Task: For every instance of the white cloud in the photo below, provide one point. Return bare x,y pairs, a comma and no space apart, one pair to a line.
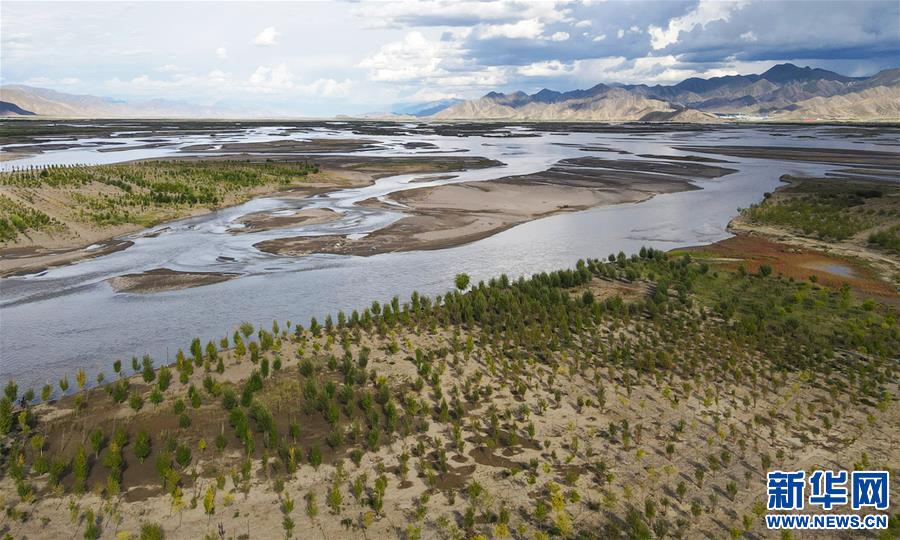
621,33
415,57
527,29
267,38
559,36
170,68
488,77
460,13
601,37
428,62
217,76
706,12
428,94
222,53
550,68
17,40
327,87
271,79
749,36
583,24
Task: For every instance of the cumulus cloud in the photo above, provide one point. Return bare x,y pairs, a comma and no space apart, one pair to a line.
222,53
415,57
550,68
527,29
270,79
559,36
327,87
706,12
267,38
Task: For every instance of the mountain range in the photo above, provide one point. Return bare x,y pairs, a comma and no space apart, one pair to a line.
783,93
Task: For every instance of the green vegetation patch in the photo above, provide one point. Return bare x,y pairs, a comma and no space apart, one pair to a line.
16,219
887,239
832,209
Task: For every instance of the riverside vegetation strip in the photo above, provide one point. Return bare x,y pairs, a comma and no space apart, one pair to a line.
49,216
638,396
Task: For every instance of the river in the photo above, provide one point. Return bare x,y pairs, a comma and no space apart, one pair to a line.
69,317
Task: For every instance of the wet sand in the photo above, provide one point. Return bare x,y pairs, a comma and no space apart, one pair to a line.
19,261
280,219
164,279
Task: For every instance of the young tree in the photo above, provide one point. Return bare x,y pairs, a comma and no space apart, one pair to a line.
79,470
461,281
312,507
142,446
335,498
209,500
6,415
80,379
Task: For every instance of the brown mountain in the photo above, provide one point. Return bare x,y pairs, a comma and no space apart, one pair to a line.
785,92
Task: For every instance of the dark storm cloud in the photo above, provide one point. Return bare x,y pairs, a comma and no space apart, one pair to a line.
784,30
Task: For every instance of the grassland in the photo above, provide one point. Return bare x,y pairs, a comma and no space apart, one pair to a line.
642,396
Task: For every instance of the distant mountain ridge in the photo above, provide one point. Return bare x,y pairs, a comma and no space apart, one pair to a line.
46,102
784,92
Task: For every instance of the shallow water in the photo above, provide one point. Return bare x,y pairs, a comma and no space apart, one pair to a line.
69,317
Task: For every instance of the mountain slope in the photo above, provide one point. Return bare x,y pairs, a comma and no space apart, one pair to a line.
11,109
784,92
424,109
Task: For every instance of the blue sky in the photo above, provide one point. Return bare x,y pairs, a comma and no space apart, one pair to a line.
326,58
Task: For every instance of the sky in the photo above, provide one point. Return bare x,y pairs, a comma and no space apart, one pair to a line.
327,58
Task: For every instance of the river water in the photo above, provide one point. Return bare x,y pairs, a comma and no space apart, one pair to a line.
69,317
